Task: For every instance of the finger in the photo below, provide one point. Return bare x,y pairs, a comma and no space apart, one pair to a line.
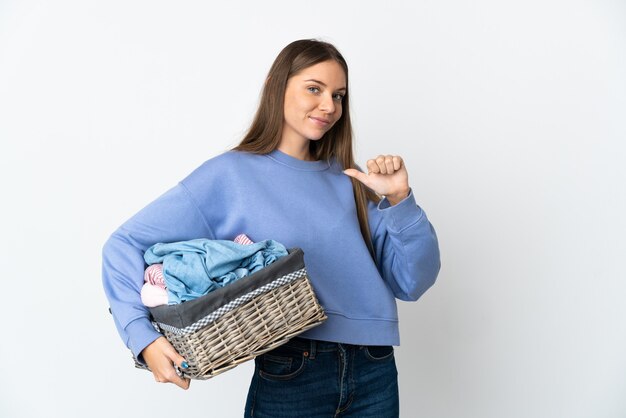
182,364
171,376
380,161
179,360
181,382
174,357
397,162
389,164
372,167
360,176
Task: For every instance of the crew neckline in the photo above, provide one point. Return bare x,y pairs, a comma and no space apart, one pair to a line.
293,162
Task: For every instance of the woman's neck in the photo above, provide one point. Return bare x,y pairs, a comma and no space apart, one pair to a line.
298,151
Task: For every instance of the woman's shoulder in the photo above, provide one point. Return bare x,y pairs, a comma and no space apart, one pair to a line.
226,163
226,159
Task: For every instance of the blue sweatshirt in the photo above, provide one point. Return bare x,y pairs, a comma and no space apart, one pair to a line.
306,204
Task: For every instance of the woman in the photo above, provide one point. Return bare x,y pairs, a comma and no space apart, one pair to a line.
293,179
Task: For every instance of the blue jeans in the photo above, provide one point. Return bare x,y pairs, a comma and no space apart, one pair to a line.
309,379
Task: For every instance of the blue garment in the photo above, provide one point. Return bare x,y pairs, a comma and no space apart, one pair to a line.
305,204
196,267
318,379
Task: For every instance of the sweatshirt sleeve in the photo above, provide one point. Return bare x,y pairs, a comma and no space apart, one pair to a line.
172,217
406,247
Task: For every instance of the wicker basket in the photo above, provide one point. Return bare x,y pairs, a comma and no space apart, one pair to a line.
236,323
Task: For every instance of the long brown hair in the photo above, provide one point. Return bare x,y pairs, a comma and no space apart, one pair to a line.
265,132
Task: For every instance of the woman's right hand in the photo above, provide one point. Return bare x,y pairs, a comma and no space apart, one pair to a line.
160,357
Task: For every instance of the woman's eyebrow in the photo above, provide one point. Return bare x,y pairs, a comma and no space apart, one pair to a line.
323,84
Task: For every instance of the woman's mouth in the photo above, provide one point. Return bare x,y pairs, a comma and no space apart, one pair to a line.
321,122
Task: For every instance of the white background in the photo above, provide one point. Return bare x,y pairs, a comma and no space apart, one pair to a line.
511,117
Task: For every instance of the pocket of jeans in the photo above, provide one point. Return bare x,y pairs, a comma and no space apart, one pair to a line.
281,365
378,352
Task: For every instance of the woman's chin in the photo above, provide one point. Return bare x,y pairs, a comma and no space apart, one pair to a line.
315,136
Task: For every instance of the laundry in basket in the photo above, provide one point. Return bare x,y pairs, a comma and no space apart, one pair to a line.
241,320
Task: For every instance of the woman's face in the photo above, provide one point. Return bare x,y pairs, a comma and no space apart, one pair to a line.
313,101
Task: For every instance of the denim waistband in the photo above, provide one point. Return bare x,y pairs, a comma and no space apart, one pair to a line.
306,344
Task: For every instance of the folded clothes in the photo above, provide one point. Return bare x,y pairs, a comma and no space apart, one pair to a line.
153,296
194,268
153,292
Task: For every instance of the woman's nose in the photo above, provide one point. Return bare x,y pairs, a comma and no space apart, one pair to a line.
327,104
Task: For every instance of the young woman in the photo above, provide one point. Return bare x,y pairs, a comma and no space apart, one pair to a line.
293,179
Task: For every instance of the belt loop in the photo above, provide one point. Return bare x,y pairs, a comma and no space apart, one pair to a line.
313,349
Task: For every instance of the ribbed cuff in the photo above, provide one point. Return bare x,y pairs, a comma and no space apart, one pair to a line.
140,334
401,215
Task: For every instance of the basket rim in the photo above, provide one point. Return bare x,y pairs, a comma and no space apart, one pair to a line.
185,314
212,316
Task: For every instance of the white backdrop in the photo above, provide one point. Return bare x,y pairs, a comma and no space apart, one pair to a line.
511,118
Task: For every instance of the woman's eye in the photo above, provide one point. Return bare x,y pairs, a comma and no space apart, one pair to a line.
313,89
338,97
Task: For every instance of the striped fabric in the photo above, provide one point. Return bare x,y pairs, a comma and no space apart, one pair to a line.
154,275
243,239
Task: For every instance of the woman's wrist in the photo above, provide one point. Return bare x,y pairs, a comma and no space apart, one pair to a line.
396,198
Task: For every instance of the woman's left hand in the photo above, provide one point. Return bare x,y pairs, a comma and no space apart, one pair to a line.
386,176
